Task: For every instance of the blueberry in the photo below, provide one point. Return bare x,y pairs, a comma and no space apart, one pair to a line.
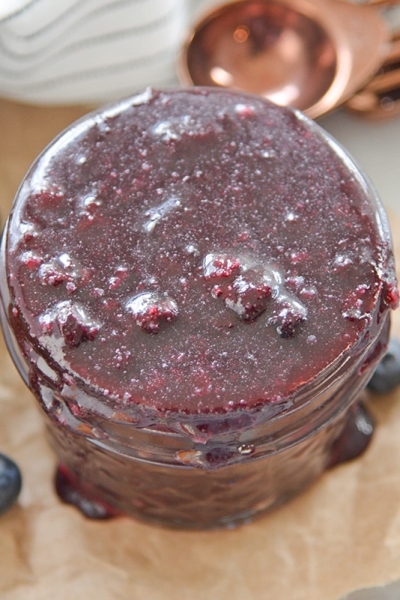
10,482
387,374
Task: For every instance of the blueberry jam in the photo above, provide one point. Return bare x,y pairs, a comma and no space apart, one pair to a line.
192,263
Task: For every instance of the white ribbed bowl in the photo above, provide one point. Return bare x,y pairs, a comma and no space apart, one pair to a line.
87,51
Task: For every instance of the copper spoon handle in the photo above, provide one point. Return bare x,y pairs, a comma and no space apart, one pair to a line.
380,97
384,3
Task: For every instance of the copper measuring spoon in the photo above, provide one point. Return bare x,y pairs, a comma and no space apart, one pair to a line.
310,54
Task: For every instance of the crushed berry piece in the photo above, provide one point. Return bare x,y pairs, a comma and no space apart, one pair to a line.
62,269
248,296
150,309
220,265
72,321
289,319
391,296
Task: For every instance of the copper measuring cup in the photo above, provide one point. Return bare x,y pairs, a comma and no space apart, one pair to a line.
310,54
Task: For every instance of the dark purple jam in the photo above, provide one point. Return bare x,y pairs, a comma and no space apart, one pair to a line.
198,289
195,252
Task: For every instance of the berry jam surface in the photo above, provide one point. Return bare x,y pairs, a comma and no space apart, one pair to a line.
195,252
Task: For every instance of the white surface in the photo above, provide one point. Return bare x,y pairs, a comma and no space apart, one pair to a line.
375,146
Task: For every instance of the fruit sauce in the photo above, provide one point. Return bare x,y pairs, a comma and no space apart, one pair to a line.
196,269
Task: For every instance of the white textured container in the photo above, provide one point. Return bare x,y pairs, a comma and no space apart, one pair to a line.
89,51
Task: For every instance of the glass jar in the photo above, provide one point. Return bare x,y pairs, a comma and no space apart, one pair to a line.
190,468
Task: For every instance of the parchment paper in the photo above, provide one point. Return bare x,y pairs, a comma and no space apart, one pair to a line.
340,535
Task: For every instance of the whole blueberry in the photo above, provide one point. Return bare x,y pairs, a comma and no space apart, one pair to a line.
387,374
10,482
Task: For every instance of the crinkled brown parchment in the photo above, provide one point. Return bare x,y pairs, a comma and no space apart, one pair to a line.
342,534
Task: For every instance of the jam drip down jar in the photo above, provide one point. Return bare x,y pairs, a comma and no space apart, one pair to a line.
197,289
